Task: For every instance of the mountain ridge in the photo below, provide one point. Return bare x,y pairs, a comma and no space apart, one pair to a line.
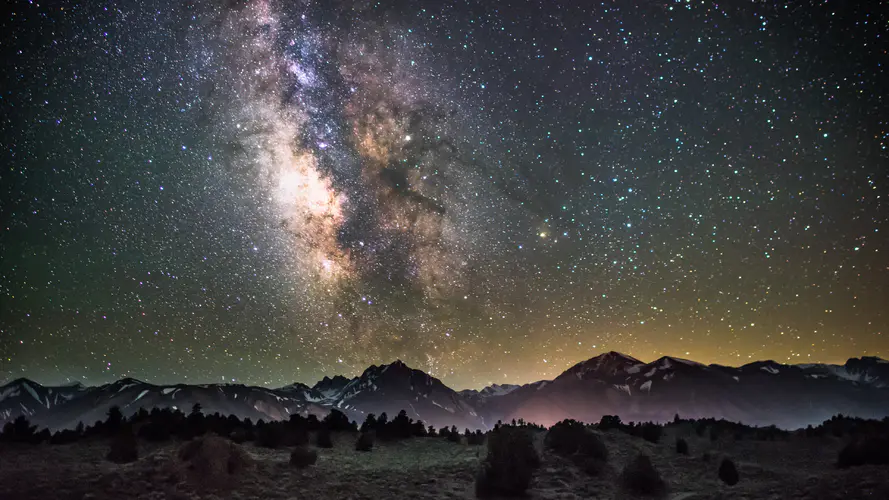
760,392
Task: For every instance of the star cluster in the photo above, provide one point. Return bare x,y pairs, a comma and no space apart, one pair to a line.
267,192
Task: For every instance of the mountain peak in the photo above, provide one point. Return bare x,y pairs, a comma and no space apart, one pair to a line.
608,363
128,381
20,381
617,355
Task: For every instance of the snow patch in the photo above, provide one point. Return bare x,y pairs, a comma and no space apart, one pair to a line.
770,369
32,392
9,391
442,407
651,372
843,373
167,390
646,386
634,369
140,395
308,397
623,388
737,378
498,390
127,385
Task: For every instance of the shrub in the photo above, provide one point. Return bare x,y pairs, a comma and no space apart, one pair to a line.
213,461
115,419
476,438
365,441
454,435
418,429
65,436
323,439
651,432
591,446
509,466
302,457
609,422
572,439
640,477
564,437
370,423
728,472
337,421
681,446
400,427
863,451
124,448
238,436
20,430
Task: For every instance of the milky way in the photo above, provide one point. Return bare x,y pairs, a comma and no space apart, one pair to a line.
267,192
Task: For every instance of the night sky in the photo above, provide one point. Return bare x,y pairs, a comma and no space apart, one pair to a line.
270,191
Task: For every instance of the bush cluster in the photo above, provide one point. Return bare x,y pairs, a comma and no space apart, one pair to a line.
728,473
365,441
640,477
509,466
401,427
870,450
302,457
573,440
681,446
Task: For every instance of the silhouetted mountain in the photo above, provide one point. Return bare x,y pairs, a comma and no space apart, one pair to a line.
761,393
475,397
331,387
28,398
391,388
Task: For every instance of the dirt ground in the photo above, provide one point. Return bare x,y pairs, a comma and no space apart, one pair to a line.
801,468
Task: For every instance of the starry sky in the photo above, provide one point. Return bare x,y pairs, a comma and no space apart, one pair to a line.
270,191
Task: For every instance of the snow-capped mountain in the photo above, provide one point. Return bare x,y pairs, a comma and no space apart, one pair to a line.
330,388
603,366
71,405
761,393
477,398
395,387
26,397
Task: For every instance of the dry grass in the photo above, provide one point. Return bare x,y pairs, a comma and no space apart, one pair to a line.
435,468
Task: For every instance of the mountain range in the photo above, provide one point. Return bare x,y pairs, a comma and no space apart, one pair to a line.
759,393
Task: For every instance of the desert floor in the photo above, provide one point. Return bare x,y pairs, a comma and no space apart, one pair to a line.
435,468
